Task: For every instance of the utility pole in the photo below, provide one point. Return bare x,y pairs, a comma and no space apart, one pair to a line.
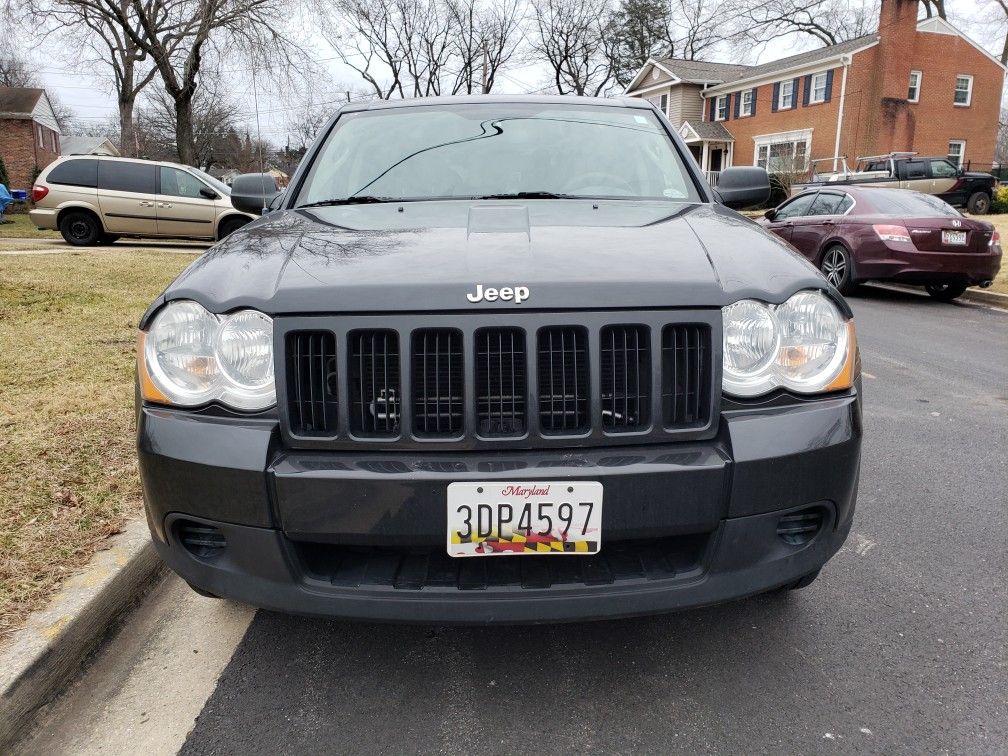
485,56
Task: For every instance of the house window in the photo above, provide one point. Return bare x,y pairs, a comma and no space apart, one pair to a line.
721,109
745,107
41,136
784,153
786,99
55,147
957,151
913,95
818,93
664,104
963,90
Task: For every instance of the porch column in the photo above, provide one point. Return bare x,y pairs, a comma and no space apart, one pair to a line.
704,157
731,155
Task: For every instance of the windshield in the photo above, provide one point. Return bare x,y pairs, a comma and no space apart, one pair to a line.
498,149
904,203
220,186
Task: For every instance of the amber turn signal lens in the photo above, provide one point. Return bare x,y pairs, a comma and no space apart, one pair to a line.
148,390
852,365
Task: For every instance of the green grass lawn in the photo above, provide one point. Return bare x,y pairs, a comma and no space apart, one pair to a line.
1001,224
68,329
22,228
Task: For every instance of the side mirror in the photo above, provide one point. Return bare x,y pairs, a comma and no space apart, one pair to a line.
251,192
208,194
770,214
743,187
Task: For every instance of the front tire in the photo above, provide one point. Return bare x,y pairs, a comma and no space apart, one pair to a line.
230,225
80,229
945,292
979,203
838,268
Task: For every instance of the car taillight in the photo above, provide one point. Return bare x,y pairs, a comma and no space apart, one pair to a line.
891,233
995,240
39,192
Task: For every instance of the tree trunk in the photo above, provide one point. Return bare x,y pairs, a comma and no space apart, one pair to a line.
185,144
127,127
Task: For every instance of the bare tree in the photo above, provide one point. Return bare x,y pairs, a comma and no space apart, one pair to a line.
828,21
698,26
15,73
214,116
573,38
934,8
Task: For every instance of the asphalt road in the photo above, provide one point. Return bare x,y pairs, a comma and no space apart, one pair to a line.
900,646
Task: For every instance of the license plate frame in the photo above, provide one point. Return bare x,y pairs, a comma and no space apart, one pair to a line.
555,518
954,238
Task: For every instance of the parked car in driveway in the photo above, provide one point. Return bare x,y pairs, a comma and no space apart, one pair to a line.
859,234
97,199
499,359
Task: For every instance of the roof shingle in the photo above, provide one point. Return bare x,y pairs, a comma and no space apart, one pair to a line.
18,101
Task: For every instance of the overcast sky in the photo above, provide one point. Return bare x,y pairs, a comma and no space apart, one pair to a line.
90,94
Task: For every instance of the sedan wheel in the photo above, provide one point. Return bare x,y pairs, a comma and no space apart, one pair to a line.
945,292
836,266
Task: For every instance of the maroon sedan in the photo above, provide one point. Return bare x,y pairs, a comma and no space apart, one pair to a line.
858,234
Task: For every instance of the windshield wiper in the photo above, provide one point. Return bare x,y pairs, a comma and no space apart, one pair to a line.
362,199
529,195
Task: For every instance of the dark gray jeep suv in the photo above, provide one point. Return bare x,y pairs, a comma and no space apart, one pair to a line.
499,359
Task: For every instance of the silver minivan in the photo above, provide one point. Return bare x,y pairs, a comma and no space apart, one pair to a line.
96,199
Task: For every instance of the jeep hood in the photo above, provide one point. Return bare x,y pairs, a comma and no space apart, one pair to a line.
425,256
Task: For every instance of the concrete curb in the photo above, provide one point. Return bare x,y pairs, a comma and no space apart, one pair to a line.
41,658
986,297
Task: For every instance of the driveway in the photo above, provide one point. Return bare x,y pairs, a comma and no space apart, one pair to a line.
900,646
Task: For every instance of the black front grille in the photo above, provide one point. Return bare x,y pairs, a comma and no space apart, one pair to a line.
437,382
563,379
500,382
312,382
613,378
686,375
375,395
626,377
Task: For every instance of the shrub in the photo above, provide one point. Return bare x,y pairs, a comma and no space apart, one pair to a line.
1000,200
4,178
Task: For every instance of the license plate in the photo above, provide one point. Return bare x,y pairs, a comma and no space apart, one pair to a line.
542,517
953,237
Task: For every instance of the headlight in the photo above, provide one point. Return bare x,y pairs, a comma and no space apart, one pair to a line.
190,357
804,345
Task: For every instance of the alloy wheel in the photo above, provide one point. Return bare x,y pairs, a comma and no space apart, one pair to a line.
834,266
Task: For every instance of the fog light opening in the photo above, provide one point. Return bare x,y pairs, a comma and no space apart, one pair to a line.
798,528
203,541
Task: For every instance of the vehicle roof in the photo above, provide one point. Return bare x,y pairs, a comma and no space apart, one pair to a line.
483,99
113,158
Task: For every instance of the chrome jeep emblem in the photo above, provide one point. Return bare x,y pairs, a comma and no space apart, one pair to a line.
516,294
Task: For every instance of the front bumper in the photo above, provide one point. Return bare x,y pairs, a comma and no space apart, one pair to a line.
361,535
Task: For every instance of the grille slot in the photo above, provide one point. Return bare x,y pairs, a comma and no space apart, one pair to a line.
437,382
801,527
500,381
685,375
200,540
563,379
626,377
311,382
375,396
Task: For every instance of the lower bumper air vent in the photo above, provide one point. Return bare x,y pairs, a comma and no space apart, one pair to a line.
200,540
801,527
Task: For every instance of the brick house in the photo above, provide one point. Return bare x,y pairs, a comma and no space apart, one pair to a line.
29,134
915,86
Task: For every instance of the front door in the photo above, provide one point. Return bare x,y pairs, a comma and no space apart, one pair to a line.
126,197
716,157
185,205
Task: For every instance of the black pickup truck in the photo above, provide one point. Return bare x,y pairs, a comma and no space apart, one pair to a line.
931,175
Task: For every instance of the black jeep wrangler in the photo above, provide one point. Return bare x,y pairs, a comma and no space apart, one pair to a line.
499,359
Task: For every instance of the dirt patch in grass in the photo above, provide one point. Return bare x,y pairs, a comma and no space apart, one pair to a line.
69,480
21,227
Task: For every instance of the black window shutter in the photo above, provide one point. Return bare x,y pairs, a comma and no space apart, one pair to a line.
776,97
794,93
713,104
753,108
808,90
727,109
738,103
829,85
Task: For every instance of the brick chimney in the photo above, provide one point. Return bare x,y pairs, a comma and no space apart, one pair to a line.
897,37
